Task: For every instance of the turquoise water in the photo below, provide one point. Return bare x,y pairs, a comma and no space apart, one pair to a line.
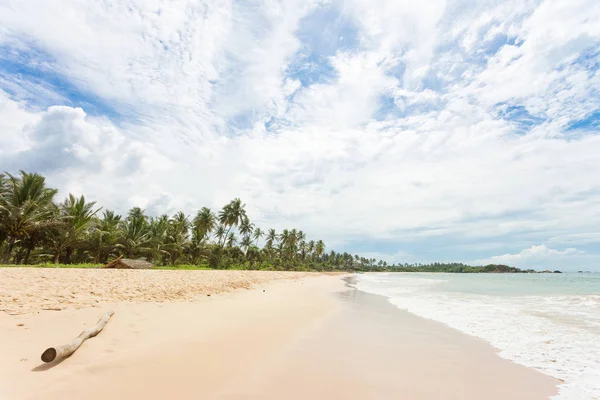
549,322
520,284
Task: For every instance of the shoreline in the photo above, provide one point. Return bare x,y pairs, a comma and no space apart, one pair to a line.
550,381
544,324
299,338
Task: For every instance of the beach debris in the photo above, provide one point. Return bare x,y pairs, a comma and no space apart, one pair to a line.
56,353
126,263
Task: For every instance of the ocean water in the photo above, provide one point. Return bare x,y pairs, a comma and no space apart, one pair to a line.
549,322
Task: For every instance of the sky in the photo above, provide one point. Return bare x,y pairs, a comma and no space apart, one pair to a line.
410,131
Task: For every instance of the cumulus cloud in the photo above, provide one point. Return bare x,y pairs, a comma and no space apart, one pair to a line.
544,257
535,252
475,121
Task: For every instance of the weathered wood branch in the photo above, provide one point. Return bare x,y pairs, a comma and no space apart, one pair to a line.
56,353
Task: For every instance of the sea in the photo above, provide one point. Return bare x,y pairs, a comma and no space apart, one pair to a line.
549,322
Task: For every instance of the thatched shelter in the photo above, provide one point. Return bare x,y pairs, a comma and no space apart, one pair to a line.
126,263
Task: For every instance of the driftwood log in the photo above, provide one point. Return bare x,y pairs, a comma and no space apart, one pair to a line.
56,353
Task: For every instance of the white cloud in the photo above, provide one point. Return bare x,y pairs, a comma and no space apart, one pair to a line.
544,257
444,162
534,252
12,119
351,101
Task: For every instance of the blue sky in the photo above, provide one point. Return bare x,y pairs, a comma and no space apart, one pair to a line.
430,131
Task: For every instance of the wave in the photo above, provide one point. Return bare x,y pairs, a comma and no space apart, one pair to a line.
556,335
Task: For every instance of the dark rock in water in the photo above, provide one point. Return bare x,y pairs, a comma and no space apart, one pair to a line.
557,272
580,272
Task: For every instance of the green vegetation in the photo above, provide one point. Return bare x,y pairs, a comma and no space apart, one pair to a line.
452,268
37,231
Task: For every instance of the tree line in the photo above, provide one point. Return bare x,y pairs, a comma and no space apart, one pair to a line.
35,229
459,268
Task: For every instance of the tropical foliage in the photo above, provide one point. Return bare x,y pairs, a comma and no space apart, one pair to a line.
35,229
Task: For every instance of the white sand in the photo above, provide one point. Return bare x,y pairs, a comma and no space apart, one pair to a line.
300,338
27,290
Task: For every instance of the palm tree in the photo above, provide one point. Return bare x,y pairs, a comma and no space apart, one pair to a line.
3,233
76,216
233,214
303,247
292,244
320,248
258,233
3,185
158,229
271,237
176,236
204,223
31,224
231,239
301,236
136,234
137,214
310,248
284,238
246,243
104,239
26,208
221,233
246,227
196,249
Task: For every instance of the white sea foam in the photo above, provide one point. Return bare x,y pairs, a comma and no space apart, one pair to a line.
558,335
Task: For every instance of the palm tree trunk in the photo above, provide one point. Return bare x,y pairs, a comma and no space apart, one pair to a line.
97,257
226,236
69,253
27,254
11,244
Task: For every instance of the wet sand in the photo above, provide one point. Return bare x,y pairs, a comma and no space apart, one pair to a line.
307,338
369,349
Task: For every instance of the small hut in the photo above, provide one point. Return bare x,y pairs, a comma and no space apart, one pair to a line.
126,263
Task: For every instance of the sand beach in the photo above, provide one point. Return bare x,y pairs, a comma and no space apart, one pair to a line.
259,335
